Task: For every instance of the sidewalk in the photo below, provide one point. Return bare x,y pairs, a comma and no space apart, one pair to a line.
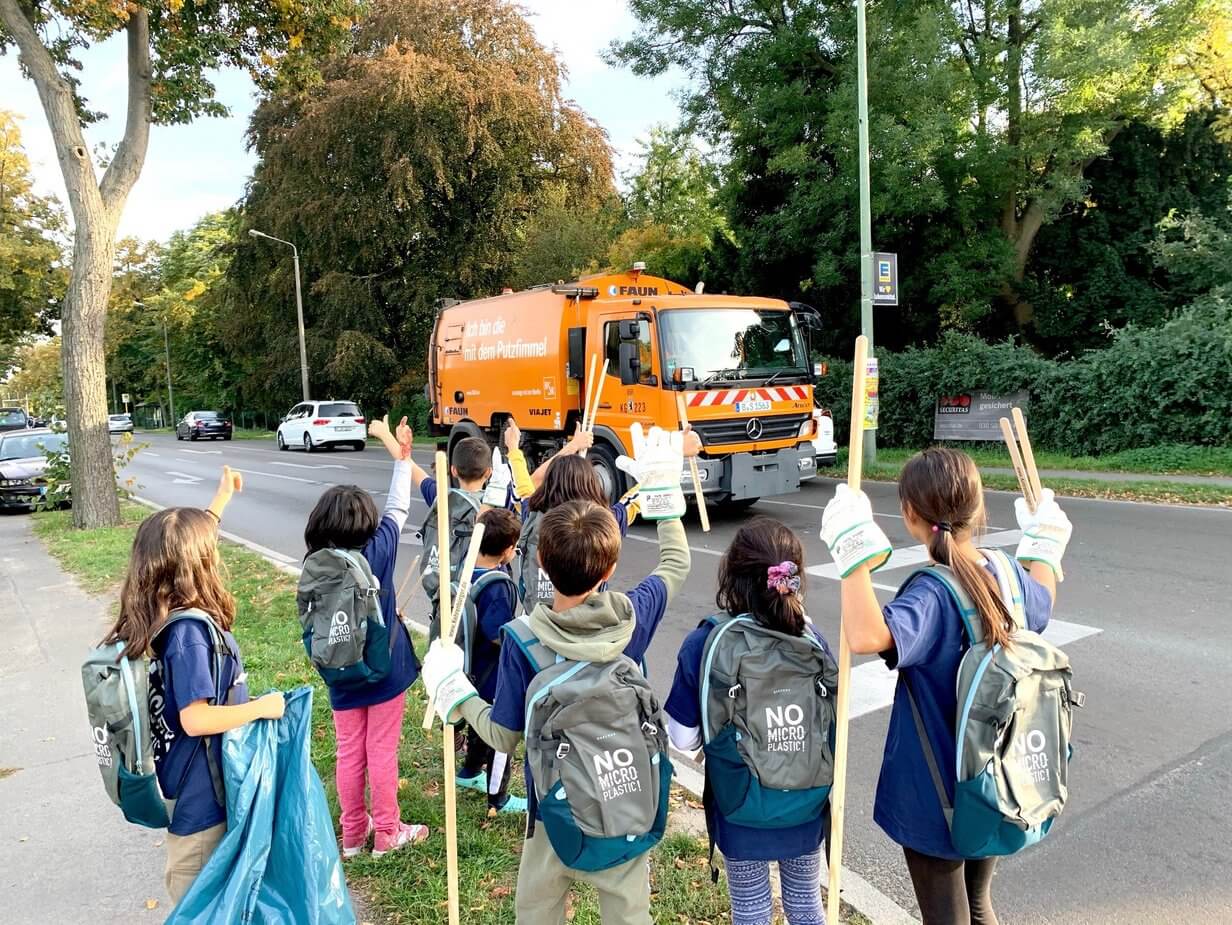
66,853
1214,481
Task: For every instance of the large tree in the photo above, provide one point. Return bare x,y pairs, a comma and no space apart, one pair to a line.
172,47
408,174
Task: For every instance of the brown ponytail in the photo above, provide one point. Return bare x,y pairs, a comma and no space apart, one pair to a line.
943,488
744,571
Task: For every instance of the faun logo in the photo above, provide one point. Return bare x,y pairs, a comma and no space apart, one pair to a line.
785,730
616,774
339,628
1029,750
102,751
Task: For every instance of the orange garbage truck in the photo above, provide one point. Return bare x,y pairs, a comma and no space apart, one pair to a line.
740,362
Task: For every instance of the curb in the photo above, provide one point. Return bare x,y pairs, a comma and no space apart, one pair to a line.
857,892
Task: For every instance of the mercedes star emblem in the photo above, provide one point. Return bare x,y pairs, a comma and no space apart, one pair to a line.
753,429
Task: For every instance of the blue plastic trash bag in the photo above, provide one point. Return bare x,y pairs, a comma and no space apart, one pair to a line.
278,863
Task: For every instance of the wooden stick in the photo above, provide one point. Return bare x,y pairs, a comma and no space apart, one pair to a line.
1028,455
451,621
590,386
594,412
411,573
697,479
838,793
1011,444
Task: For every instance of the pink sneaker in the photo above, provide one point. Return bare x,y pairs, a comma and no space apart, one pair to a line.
406,835
352,851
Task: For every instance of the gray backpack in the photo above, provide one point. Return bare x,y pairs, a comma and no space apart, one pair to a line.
344,632
768,722
597,750
1015,709
117,692
534,585
469,630
463,509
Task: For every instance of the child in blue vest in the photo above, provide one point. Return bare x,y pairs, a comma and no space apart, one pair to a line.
760,574
484,768
921,634
368,719
175,565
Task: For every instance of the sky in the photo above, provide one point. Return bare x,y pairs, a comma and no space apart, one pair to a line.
198,168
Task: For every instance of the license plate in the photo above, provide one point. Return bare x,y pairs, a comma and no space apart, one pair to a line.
754,405
342,428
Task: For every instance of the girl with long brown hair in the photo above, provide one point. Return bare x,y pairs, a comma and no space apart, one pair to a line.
921,634
174,606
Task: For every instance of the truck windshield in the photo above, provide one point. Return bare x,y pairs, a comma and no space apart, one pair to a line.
731,343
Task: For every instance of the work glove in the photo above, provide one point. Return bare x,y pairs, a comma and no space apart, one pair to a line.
1045,533
496,494
851,534
444,678
658,458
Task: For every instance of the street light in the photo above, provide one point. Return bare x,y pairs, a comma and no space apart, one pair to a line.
299,307
167,354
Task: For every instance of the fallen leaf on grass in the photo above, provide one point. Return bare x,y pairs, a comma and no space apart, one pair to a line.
679,864
501,892
151,904
403,783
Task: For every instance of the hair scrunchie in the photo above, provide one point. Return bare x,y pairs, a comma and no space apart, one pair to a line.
783,578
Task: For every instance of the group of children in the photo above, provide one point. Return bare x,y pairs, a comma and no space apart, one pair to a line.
552,542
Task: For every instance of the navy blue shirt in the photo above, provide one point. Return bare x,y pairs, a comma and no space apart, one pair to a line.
493,609
929,643
182,673
382,554
738,842
514,674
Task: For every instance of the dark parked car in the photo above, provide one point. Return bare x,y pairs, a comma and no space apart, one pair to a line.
14,419
23,461
199,425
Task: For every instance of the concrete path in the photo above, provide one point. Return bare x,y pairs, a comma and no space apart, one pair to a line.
1214,481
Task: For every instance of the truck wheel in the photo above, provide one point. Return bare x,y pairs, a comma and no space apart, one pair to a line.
604,462
460,432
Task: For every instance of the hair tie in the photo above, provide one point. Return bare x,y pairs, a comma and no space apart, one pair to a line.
783,578
943,527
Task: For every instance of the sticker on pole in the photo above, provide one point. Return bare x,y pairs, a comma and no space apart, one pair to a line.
870,395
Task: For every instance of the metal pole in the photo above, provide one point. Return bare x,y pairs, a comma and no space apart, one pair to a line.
866,211
170,394
299,309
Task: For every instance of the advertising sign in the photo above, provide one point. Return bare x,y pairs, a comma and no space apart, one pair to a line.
885,279
974,415
871,401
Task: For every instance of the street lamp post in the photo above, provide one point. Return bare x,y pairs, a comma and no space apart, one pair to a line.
299,307
167,356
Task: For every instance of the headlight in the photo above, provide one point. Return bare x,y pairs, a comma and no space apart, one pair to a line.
807,429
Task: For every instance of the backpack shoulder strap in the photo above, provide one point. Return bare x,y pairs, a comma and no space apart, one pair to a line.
722,623
970,614
491,577
537,654
1010,583
459,493
356,559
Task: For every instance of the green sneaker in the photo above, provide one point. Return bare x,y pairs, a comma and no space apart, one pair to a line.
512,804
478,782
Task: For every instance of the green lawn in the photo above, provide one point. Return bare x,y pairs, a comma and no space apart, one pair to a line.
408,886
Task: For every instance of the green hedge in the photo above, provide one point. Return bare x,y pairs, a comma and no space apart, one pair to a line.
1171,384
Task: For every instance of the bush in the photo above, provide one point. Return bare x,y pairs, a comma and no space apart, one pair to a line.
1171,384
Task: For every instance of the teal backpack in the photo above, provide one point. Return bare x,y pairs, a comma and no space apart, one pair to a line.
469,630
768,722
117,692
1015,711
597,750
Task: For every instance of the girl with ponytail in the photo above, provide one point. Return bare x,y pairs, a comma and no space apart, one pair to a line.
761,577
920,633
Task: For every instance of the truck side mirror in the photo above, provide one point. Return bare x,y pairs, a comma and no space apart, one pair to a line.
630,364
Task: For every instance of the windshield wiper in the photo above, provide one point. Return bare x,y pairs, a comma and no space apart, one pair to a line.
785,371
718,374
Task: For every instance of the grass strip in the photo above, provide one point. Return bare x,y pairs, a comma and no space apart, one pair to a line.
1165,459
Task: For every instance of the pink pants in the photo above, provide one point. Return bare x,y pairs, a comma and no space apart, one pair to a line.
368,741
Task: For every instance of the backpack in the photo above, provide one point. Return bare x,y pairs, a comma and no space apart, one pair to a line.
597,750
463,509
117,692
1015,709
534,585
768,703
345,633
470,622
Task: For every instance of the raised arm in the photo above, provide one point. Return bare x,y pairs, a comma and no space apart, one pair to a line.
674,556
230,484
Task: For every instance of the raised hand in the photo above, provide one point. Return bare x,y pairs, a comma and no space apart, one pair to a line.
513,437
851,534
497,491
406,437
658,457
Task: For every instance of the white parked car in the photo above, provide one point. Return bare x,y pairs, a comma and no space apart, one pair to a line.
825,450
315,425
120,423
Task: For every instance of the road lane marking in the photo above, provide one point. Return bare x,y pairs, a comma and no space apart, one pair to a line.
183,478
285,478
201,452
655,541
301,466
148,453
918,555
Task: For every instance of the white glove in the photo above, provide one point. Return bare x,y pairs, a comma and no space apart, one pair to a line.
444,678
1045,533
496,494
853,537
656,467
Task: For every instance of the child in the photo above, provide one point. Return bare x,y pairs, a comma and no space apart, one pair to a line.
368,717
175,566
760,577
921,634
579,548
495,597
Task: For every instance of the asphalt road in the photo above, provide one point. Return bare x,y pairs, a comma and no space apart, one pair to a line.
1143,615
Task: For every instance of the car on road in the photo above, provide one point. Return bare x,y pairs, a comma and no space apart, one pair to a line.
202,425
825,450
119,423
14,419
316,425
23,465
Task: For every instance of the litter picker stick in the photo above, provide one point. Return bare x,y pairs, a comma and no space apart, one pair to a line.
451,621
1028,456
590,387
838,793
697,479
412,572
1011,444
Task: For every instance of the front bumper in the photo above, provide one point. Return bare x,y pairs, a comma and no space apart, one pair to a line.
23,497
753,475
